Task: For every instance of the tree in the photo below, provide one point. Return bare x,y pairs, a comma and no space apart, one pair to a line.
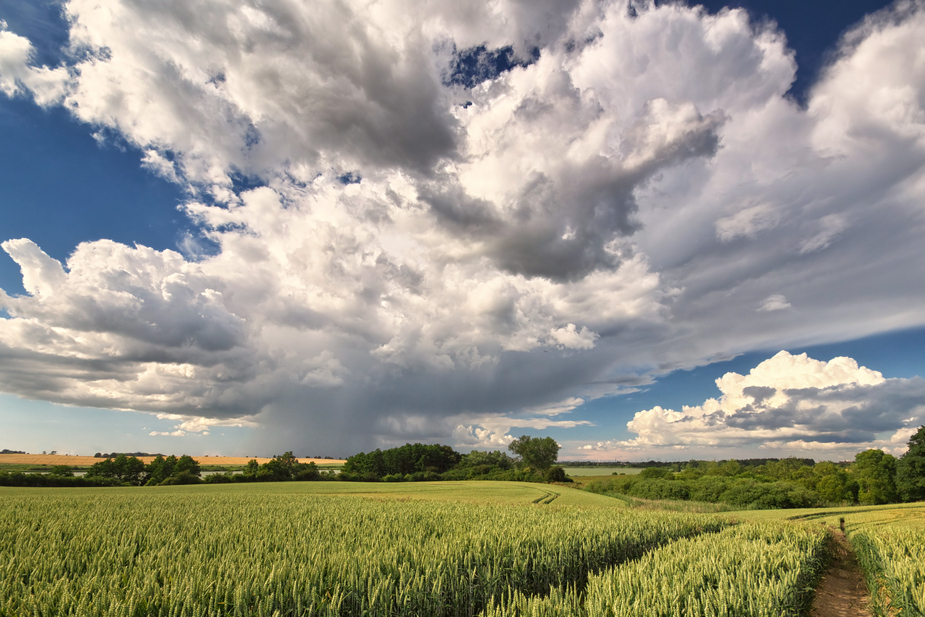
187,463
159,469
487,459
61,471
252,467
910,470
875,473
833,484
306,471
419,461
535,452
126,469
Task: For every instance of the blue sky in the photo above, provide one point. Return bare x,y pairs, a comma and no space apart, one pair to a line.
588,229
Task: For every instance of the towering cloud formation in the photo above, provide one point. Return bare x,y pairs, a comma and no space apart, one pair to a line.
787,404
423,255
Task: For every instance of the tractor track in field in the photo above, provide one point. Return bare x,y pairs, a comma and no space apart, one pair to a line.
842,591
547,498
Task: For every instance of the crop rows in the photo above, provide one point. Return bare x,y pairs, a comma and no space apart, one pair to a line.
749,570
894,560
211,553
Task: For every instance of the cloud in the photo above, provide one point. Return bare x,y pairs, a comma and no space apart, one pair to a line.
830,227
46,85
157,163
570,337
610,210
177,433
495,431
557,408
787,404
196,425
748,222
777,302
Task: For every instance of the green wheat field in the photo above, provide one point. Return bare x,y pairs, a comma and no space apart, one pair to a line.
442,548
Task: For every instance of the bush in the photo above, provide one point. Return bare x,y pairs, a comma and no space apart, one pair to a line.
184,477
556,474
219,478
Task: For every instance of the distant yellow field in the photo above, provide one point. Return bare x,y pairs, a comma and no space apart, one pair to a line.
61,459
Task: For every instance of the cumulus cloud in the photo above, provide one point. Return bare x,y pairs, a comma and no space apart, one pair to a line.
787,404
418,258
571,337
46,85
495,431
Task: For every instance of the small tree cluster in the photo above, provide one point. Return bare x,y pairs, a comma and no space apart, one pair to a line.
281,468
418,462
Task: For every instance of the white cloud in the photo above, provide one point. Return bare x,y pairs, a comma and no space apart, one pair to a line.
196,424
495,431
177,433
830,227
777,302
46,85
159,164
787,404
614,210
479,438
570,337
748,222
555,409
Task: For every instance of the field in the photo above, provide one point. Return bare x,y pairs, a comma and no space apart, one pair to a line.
856,517
890,544
584,475
258,549
600,471
495,549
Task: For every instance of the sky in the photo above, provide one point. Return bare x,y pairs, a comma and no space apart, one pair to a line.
649,230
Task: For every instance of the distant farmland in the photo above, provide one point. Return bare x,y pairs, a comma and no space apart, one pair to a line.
600,471
85,461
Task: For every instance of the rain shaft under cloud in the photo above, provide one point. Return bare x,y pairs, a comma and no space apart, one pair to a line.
633,193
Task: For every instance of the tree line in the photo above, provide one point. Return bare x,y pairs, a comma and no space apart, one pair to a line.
875,477
533,460
126,470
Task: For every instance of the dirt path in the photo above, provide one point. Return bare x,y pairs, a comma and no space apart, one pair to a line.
842,592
